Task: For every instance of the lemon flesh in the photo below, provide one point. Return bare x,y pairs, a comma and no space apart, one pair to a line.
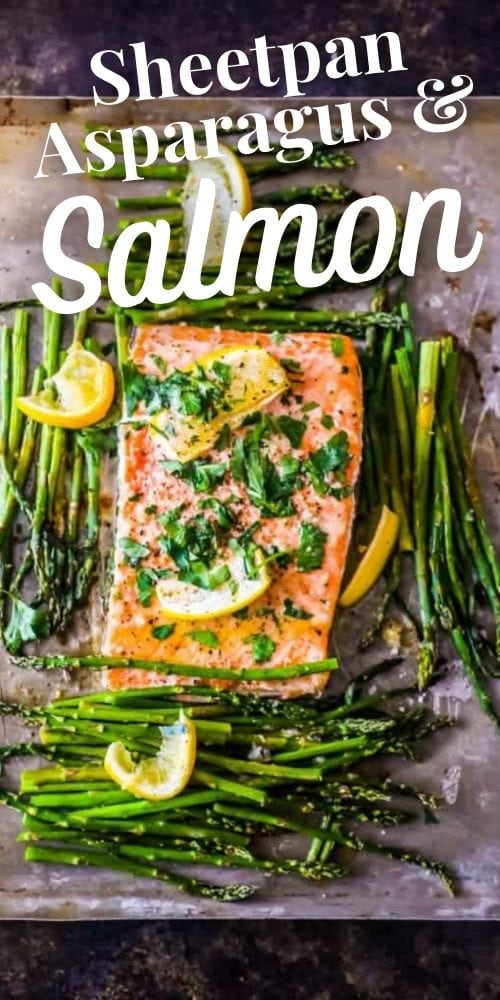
183,601
255,378
232,194
374,559
78,395
161,777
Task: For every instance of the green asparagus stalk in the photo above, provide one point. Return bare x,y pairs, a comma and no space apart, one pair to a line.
403,431
180,669
38,542
109,859
427,388
19,382
24,463
87,571
73,522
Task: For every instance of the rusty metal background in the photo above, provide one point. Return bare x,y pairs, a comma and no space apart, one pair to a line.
461,764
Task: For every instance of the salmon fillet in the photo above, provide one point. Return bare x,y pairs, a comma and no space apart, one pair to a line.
296,611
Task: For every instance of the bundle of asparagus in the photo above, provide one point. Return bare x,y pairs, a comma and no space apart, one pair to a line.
419,462
50,494
279,309
263,766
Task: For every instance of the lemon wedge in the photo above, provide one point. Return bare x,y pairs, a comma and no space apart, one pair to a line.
252,378
183,601
232,194
160,777
78,395
374,559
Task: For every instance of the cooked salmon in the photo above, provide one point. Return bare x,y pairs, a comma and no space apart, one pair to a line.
318,448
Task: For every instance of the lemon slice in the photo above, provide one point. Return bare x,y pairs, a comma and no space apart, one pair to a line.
183,601
232,194
252,378
160,777
78,395
374,559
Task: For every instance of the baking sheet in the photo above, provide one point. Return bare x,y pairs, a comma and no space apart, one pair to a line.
461,764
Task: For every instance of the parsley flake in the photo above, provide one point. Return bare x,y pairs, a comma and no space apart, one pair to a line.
205,638
133,551
202,475
262,647
26,624
290,610
332,457
162,631
311,550
292,429
290,365
198,392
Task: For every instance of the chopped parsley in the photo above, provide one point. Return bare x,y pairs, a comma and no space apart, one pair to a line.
242,614
290,365
307,407
223,439
269,486
262,647
331,457
146,580
222,372
162,631
205,638
292,429
133,551
311,550
201,474
193,546
151,509
327,421
290,610
224,514
160,363
26,624
337,345
98,440
198,392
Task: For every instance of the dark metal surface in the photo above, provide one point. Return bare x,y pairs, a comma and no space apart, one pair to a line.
296,960
46,47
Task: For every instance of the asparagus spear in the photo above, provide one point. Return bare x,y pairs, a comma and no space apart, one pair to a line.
314,194
321,159
19,381
427,387
5,375
403,430
18,483
73,522
181,669
109,859
286,319
39,543
87,571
